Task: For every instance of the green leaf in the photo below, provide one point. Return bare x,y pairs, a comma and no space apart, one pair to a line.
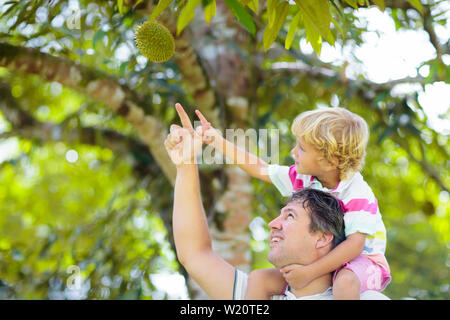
380,4
186,15
254,5
242,15
244,2
413,129
337,26
416,4
270,34
432,73
380,97
210,11
317,12
312,36
13,4
271,11
120,6
389,130
123,67
292,29
98,36
137,3
162,4
331,81
353,3
330,38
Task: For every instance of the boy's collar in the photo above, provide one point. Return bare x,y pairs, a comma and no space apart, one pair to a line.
339,187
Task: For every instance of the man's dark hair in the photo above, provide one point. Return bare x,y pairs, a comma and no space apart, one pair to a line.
324,210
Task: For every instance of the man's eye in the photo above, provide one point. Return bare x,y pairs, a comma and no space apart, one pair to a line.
290,215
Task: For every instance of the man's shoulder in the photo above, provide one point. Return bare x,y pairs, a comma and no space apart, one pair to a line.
373,295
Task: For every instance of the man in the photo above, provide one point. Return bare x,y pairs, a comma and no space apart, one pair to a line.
294,239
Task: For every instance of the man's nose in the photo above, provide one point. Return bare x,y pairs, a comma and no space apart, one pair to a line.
275,223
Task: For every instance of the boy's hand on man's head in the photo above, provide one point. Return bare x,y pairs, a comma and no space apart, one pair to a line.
183,143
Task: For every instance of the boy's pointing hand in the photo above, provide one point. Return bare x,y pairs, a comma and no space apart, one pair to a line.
208,133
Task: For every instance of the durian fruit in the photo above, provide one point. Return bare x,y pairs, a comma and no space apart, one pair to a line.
155,41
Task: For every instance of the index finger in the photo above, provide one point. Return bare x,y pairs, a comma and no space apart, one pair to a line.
185,121
201,117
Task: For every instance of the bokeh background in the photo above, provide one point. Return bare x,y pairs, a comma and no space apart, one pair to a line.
86,189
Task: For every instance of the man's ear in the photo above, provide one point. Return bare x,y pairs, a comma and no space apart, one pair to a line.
324,240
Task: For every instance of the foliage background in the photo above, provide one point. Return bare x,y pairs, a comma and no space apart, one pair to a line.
80,187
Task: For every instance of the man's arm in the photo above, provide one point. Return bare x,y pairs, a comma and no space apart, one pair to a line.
190,227
192,240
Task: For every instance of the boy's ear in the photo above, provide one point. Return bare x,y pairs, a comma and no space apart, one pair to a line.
334,162
329,164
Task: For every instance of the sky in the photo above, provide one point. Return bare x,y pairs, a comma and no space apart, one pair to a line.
390,56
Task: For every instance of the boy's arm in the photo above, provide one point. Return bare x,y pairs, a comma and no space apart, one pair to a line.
248,162
346,251
349,249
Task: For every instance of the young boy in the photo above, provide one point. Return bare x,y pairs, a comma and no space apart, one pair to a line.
329,156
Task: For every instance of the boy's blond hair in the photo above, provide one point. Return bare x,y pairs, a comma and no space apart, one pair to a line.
335,133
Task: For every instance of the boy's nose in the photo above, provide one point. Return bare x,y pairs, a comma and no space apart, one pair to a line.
293,152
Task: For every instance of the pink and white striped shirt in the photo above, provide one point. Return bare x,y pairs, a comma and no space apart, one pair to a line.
361,207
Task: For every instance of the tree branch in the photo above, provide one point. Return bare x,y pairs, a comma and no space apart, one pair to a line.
428,27
432,172
98,86
26,126
194,75
323,74
393,4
